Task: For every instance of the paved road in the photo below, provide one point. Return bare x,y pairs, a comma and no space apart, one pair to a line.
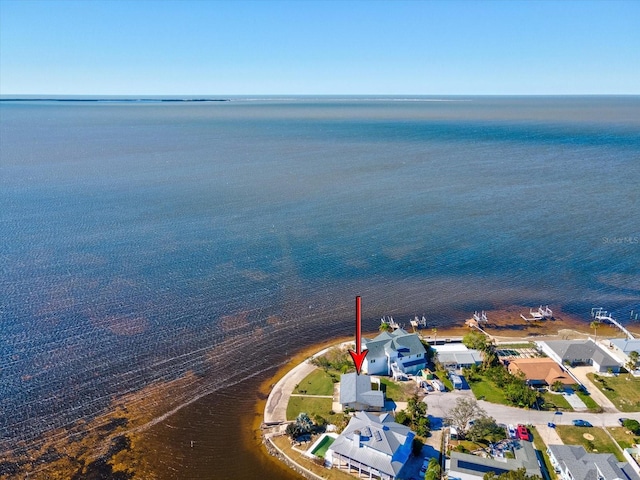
276,409
439,404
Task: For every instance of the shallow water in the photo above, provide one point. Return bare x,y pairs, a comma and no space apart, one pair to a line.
143,242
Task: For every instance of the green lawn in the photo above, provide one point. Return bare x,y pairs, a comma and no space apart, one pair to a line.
601,443
397,391
317,382
309,405
540,446
624,439
622,390
588,401
514,346
553,401
489,391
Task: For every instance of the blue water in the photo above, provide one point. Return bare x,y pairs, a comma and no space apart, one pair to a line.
142,241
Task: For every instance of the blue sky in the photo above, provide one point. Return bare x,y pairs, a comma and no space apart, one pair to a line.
200,47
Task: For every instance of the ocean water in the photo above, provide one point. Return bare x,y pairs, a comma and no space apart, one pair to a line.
142,242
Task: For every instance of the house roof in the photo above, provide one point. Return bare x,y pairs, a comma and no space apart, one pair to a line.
460,356
381,438
539,369
590,466
571,350
396,341
356,388
478,466
627,346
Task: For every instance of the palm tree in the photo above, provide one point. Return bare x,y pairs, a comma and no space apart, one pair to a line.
435,335
595,324
384,327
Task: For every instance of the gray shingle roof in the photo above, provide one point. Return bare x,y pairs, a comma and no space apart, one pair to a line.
585,466
478,466
571,350
356,388
382,445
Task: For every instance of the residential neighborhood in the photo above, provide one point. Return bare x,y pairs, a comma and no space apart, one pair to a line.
469,409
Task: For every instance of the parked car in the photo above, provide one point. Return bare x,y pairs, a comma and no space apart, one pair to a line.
425,466
512,431
622,420
523,433
551,425
581,423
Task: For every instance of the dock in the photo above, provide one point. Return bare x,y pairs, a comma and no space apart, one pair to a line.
601,315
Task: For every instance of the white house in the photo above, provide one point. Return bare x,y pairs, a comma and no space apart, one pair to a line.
456,356
356,392
622,347
464,466
376,447
580,352
572,462
391,352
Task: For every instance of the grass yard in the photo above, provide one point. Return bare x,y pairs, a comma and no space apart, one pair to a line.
309,405
622,390
487,390
317,382
624,439
601,442
589,402
539,445
515,346
284,444
397,391
553,401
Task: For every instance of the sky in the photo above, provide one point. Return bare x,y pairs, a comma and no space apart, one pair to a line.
330,47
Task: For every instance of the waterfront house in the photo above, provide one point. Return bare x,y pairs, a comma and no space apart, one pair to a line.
455,356
580,352
572,462
394,353
540,372
357,393
622,347
372,446
464,466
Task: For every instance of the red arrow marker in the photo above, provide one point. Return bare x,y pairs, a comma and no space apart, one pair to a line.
358,356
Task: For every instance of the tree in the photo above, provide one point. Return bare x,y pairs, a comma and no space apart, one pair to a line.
433,470
415,416
632,425
595,324
519,474
476,341
632,362
435,335
384,327
557,386
519,393
464,411
485,428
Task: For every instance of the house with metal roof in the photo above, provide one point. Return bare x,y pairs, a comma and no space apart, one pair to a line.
572,462
622,347
464,466
372,446
396,352
580,352
356,392
455,356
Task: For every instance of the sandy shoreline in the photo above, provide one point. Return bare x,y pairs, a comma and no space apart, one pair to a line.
503,326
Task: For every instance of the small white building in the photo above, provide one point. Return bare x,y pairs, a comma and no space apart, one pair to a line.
456,356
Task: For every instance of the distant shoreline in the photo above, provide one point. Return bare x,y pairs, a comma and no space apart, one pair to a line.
118,100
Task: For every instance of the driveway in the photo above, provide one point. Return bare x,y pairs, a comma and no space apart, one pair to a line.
581,374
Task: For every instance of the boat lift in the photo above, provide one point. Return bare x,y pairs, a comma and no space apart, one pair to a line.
540,314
